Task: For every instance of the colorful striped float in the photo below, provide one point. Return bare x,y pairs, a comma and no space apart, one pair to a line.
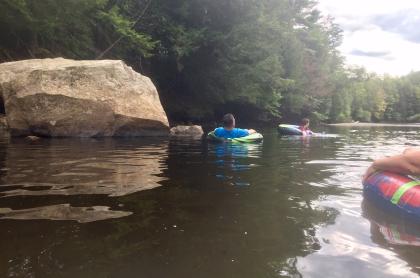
392,191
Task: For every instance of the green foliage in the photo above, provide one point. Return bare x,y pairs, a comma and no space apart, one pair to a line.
47,28
261,59
414,118
374,98
123,27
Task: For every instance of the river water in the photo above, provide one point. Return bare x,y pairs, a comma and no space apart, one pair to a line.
287,207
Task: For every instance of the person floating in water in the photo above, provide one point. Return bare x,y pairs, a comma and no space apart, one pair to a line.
407,163
228,131
304,127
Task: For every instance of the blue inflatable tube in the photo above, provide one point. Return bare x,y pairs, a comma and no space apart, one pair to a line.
290,130
396,193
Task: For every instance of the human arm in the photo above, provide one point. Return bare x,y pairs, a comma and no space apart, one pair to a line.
239,132
307,132
407,163
251,131
411,149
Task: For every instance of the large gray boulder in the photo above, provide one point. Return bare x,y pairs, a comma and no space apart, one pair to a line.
60,97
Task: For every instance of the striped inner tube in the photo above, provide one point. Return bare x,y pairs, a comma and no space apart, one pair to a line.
402,190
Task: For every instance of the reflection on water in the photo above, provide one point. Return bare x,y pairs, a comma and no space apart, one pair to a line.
233,158
77,167
63,212
389,228
285,207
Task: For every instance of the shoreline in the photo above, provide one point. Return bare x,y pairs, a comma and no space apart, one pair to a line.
356,124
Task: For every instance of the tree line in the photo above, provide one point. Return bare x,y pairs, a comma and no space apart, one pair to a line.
263,60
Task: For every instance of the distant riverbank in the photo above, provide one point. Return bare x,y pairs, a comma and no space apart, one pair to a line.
375,124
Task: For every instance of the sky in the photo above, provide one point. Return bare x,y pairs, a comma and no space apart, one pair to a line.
381,35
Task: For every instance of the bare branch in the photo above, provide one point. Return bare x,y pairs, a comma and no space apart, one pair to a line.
100,56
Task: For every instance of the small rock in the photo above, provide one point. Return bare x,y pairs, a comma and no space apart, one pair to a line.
187,131
32,138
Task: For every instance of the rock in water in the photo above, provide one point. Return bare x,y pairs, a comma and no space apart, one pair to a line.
60,97
187,131
32,138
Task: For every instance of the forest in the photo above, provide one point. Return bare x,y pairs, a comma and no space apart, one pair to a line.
263,60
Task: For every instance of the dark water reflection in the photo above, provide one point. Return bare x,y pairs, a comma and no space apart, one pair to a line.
284,208
74,167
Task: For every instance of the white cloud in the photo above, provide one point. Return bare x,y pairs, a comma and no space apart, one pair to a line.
372,27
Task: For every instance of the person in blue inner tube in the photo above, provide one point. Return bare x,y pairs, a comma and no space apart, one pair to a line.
228,131
304,127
